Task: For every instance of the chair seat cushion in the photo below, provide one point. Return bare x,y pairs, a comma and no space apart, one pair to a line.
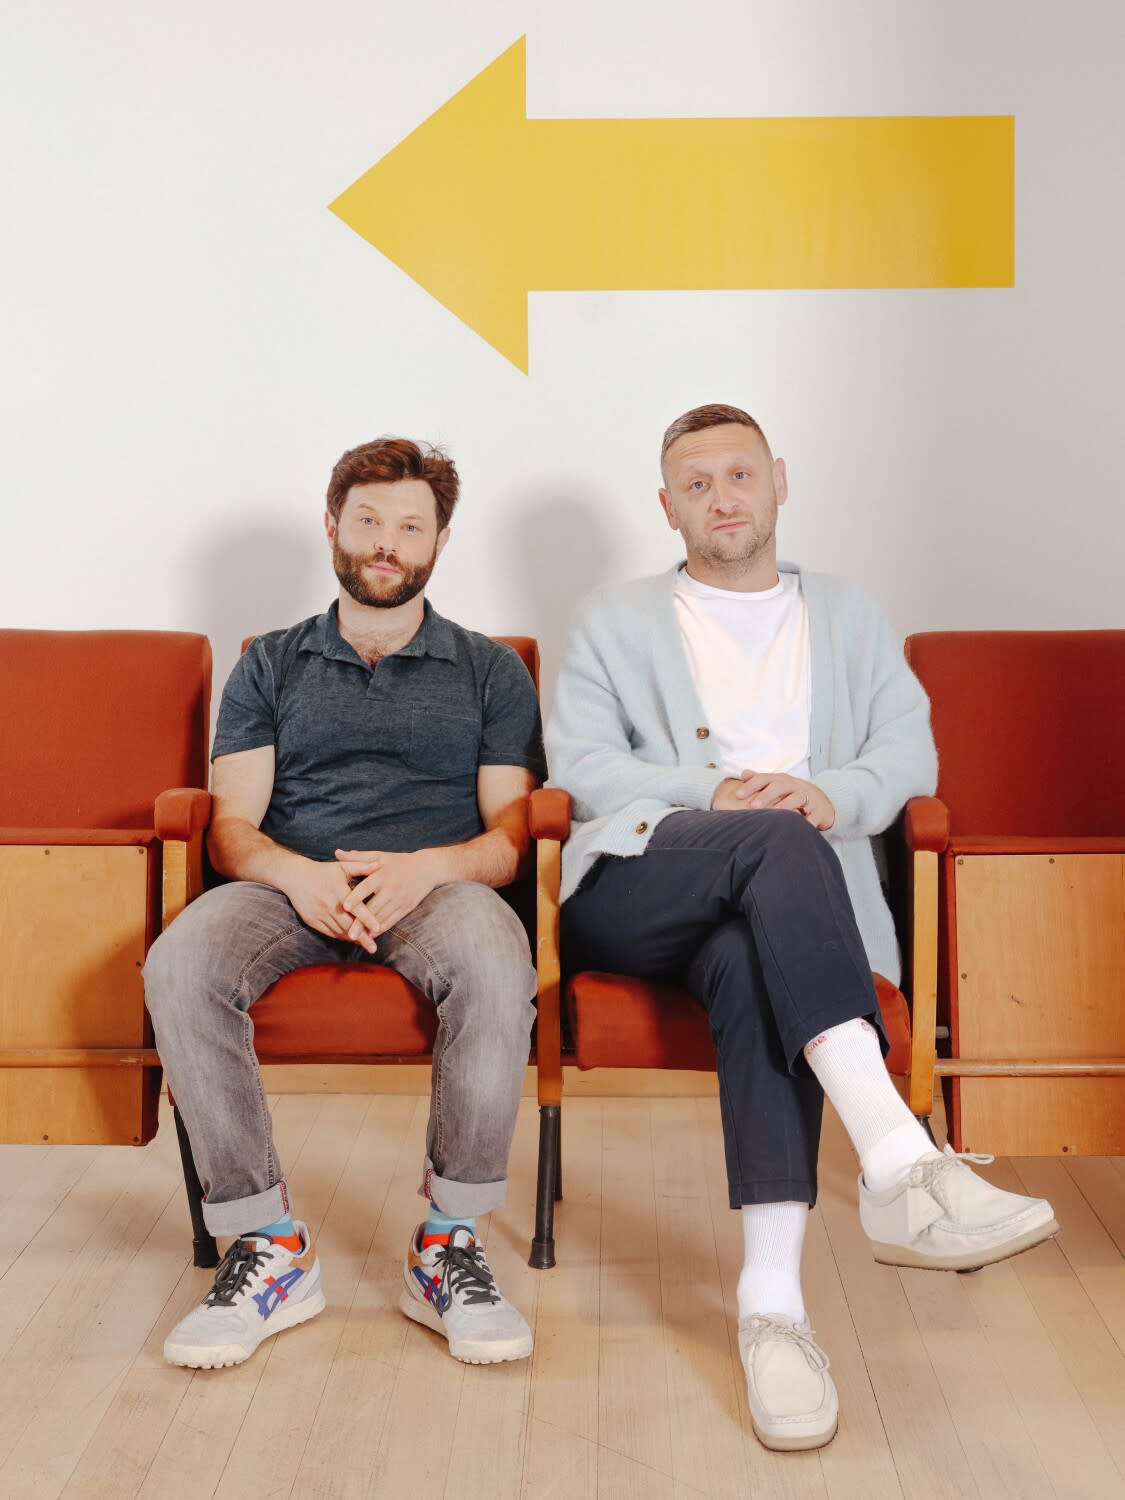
619,1022
343,1013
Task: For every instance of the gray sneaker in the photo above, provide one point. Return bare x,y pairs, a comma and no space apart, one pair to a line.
450,1289
793,1401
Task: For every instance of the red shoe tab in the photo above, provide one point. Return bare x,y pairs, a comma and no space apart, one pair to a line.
289,1241
434,1239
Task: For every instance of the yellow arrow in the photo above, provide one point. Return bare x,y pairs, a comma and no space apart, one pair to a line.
481,205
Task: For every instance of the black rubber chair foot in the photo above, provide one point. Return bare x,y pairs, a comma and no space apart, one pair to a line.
206,1254
542,1256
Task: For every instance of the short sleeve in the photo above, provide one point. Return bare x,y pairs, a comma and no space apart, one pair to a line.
247,710
511,729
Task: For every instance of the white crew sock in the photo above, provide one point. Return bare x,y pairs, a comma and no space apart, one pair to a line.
770,1282
848,1064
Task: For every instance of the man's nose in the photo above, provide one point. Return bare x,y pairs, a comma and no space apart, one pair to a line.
721,499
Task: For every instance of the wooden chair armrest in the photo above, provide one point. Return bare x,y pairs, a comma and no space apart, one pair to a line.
926,824
548,1041
924,968
182,815
549,814
182,812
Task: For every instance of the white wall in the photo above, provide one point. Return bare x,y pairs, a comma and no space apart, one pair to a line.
190,337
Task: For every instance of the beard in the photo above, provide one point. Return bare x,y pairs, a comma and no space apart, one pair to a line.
380,593
738,547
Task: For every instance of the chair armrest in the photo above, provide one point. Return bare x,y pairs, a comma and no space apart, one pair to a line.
182,813
181,816
549,820
926,824
924,976
549,814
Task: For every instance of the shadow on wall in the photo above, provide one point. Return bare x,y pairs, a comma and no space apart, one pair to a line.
261,572
559,547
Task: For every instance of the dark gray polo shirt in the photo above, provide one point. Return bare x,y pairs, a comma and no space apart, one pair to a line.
382,758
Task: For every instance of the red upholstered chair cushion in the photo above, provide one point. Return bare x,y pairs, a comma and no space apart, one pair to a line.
1014,713
618,1022
97,723
343,1012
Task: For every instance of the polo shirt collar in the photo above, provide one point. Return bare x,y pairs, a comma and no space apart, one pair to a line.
434,637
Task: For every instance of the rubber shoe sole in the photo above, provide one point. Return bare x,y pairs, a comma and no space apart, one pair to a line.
468,1351
900,1255
794,1444
219,1356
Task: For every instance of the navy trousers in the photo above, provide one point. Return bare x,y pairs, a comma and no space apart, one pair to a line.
750,912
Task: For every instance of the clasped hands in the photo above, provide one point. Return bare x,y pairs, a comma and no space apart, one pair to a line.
361,893
774,789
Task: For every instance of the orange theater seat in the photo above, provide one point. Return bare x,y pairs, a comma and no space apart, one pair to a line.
615,1021
97,724
1018,866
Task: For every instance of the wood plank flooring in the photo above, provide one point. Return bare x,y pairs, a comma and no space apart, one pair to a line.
1009,1382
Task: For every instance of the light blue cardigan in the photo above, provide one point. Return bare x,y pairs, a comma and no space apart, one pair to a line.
625,738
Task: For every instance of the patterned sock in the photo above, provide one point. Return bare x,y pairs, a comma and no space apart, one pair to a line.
438,1225
848,1063
770,1282
284,1232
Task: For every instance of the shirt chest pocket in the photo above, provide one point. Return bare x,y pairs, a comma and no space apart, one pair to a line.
443,744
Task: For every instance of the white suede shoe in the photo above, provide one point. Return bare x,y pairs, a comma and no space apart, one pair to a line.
942,1217
793,1401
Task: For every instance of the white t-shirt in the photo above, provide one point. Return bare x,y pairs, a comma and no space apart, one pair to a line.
749,658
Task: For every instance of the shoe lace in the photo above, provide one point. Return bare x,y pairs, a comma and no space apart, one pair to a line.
468,1272
762,1327
235,1269
930,1170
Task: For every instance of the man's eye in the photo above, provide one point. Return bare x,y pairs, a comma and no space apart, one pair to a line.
740,474
410,526
366,521
697,484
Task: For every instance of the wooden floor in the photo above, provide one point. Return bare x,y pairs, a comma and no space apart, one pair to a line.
1010,1382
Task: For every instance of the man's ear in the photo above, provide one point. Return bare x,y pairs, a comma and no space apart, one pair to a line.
666,504
442,538
780,481
329,525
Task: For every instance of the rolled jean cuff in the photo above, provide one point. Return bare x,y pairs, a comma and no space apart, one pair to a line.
456,1198
243,1214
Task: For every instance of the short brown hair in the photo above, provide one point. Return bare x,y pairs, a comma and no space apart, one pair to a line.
700,417
389,459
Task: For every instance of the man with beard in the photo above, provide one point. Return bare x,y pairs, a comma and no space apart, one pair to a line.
734,733
372,767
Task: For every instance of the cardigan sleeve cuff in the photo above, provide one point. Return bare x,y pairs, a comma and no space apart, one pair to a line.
838,787
693,787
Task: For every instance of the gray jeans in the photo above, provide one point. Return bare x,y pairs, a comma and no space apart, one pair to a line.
463,947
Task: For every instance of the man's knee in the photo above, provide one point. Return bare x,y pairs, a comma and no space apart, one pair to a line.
486,952
193,954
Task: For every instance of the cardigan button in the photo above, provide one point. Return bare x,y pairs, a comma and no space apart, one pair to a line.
641,828
702,732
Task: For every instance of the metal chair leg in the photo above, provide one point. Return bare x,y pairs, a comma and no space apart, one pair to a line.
206,1252
558,1159
543,1245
